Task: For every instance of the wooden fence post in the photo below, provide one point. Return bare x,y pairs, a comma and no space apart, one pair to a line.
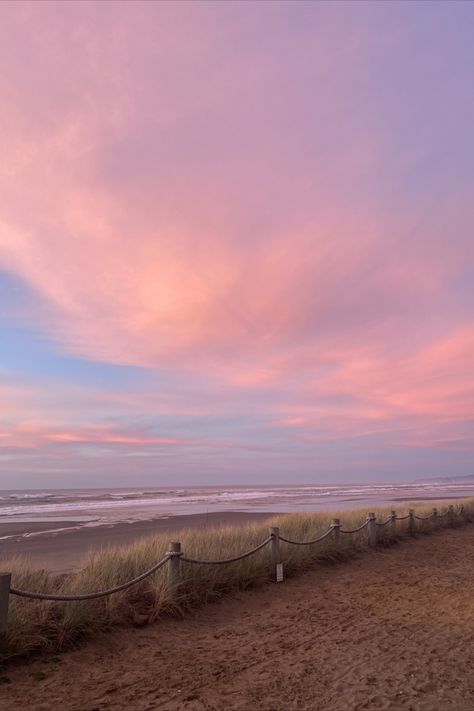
5,579
411,522
174,566
393,518
336,530
372,530
277,565
435,515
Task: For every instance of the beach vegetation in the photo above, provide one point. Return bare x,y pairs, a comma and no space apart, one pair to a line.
37,626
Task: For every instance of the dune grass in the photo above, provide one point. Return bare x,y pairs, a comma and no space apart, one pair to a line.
35,626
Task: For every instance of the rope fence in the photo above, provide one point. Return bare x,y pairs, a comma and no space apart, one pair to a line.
91,596
308,543
389,520
174,557
355,530
229,560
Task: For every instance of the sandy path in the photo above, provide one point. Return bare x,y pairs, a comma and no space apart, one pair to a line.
391,630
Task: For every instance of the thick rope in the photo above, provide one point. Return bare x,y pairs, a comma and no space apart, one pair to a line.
423,518
354,530
384,523
228,560
402,518
308,543
91,596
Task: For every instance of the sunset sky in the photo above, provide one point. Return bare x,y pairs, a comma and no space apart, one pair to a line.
236,242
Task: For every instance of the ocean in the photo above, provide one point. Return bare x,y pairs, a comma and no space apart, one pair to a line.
95,507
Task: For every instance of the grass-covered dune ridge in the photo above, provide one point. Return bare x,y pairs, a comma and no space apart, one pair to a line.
40,625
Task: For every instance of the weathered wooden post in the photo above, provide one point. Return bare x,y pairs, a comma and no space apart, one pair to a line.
5,579
411,522
336,530
451,515
393,519
372,530
277,565
435,515
174,566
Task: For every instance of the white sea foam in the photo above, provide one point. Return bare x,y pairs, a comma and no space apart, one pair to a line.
108,506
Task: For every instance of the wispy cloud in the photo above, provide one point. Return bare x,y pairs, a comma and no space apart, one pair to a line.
265,208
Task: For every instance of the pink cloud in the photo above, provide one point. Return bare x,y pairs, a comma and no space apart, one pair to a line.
196,191
109,438
33,435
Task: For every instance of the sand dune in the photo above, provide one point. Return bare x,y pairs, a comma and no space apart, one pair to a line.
393,629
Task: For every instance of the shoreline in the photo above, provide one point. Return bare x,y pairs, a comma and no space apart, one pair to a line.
60,546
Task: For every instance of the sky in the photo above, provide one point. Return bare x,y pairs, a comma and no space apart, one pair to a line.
236,242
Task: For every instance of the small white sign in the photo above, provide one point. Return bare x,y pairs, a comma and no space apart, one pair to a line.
279,572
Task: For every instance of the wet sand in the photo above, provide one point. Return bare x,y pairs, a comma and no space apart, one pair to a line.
61,551
390,631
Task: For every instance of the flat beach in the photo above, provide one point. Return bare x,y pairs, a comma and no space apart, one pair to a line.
60,546
390,630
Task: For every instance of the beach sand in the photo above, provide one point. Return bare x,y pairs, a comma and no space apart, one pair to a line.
392,630
63,550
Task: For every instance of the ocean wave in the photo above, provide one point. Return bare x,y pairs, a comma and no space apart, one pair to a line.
118,504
